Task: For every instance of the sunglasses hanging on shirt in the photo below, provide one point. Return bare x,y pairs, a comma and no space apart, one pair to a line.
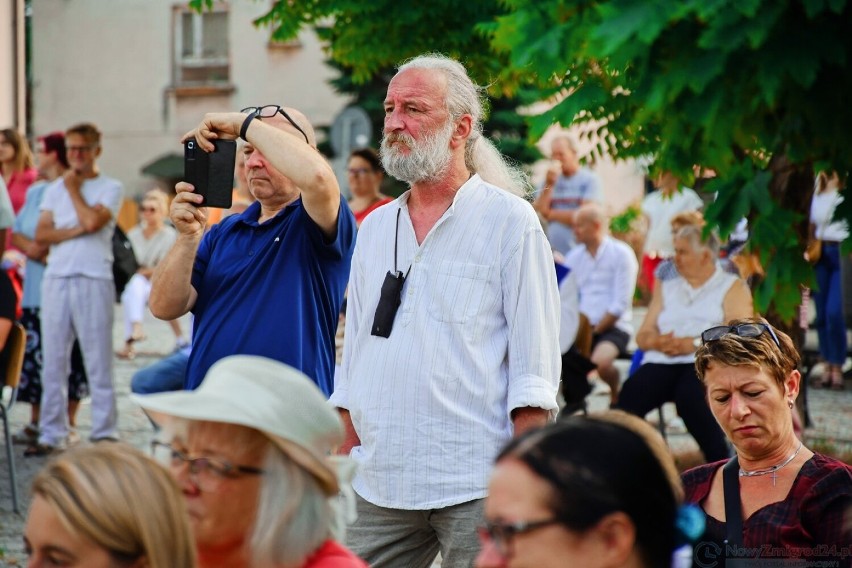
391,296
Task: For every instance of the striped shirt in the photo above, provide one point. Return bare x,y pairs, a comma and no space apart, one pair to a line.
475,337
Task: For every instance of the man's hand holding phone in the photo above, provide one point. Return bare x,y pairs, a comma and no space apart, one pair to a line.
186,212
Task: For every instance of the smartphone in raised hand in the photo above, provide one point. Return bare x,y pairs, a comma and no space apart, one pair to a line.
211,173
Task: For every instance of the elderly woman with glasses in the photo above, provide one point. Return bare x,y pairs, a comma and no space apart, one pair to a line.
151,239
591,491
364,173
250,451
775,491
701,295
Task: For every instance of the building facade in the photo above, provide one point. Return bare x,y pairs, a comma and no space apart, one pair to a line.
146,71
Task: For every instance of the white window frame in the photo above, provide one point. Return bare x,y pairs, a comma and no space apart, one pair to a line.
196,59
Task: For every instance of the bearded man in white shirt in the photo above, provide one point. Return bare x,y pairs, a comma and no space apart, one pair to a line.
451,328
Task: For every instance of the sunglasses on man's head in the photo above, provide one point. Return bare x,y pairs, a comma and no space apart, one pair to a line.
742,330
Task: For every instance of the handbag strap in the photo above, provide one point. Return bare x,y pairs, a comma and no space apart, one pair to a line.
733,505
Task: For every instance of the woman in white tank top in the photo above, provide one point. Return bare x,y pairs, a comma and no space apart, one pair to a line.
701,296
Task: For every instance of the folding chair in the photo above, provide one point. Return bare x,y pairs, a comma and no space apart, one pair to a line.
15,345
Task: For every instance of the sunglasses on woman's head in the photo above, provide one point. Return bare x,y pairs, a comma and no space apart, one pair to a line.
742,330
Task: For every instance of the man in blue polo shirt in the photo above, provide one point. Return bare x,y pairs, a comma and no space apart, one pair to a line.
270,280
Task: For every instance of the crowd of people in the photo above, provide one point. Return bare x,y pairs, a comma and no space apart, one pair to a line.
437,432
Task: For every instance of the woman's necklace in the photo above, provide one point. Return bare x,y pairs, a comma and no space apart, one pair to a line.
773,469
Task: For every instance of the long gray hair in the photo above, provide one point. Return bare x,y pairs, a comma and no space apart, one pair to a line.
481,156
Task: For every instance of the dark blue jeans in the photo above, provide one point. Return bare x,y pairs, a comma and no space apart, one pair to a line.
830,323
165,375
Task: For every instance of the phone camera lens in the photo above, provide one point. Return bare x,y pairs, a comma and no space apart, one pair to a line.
190,145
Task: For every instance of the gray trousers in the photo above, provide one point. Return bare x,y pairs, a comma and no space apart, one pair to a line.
78,307
390,538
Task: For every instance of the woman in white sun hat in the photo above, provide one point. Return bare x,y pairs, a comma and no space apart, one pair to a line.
251,450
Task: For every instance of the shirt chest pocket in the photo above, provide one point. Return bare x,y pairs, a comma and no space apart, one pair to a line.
458,291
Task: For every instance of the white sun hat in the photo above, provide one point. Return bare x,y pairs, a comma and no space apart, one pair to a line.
277,400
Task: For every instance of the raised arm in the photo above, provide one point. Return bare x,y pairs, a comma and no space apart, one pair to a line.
542,200
92,217
172,293
286,151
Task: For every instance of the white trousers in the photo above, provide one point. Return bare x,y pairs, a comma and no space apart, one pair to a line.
76,307
133,302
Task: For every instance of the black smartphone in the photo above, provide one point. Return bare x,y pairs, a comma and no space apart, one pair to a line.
211,173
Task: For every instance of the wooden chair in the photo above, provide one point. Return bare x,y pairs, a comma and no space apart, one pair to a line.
15,346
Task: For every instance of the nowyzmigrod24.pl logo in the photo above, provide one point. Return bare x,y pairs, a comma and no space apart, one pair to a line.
712,555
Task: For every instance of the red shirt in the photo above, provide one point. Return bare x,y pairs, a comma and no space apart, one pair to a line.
334,555
359,215
18,185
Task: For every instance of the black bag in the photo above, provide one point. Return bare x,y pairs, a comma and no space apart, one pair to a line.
124,264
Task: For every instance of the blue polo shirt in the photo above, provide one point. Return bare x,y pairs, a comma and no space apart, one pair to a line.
271,289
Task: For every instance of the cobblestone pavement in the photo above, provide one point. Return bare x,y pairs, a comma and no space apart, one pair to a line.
830,411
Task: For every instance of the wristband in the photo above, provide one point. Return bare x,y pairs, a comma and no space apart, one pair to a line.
246,122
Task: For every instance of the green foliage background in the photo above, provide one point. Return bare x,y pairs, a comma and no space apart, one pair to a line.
752,91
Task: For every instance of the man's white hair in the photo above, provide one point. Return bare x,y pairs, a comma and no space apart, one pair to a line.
463,96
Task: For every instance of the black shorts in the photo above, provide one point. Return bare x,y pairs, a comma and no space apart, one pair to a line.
617,337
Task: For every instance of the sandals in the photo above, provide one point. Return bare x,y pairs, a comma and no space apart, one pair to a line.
41,450
833,380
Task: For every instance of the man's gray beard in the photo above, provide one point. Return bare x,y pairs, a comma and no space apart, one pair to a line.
427,160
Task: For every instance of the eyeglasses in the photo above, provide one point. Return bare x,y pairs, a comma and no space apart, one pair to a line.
268,111
81,149
359,171
742,330
502,534
149,209
206,473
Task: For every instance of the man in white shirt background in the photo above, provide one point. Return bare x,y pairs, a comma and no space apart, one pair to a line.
452,326
605,270
658,208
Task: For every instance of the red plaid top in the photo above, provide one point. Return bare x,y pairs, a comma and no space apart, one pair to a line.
807,525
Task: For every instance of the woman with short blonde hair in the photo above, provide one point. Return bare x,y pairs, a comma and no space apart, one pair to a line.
107,505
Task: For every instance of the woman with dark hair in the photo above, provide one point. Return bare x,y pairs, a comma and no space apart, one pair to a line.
780,495
16,162
590,491
365,175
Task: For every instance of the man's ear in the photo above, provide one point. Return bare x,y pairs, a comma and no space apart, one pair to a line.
464,127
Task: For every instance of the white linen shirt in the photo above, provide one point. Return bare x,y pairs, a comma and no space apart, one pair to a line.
606,281
475,337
